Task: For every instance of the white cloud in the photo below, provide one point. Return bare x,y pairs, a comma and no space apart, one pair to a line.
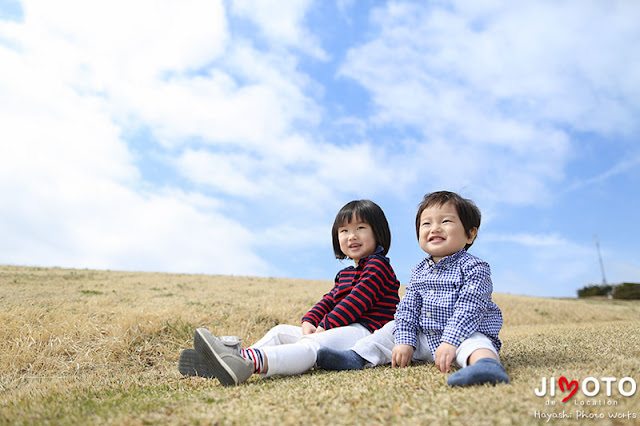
529,240
298,171
120,40
495,88
72,193
249,98
51,132
281,22
212,108
231,174
157,71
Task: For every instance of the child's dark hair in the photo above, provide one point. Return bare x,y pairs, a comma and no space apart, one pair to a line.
366,211
467,210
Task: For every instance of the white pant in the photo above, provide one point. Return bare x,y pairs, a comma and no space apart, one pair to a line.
289,352
377,347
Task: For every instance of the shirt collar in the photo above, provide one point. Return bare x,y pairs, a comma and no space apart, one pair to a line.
447,260
379,251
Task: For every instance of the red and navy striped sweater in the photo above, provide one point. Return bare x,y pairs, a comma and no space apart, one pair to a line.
367,294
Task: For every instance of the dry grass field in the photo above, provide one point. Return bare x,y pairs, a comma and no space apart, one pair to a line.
101,347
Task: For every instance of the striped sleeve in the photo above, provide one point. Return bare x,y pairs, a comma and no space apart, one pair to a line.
323,307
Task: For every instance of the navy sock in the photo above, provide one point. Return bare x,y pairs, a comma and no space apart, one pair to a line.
331,359
485,370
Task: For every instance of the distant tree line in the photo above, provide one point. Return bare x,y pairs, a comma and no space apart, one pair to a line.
620,291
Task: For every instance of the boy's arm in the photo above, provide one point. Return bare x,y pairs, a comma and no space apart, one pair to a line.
407,318
375,279
472,302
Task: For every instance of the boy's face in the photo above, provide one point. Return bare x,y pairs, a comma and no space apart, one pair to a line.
441,231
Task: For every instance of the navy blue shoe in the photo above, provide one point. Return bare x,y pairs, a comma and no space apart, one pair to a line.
485,370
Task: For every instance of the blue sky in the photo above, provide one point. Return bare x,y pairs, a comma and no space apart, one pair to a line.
222,137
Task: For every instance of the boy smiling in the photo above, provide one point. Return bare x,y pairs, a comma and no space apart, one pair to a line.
446,315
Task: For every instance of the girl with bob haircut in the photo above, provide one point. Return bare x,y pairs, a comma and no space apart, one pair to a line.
363,299
366,211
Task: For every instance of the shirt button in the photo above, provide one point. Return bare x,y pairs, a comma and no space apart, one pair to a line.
428,314
431,291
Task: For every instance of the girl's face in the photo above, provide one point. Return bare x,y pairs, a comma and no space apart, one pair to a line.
356,239
441,231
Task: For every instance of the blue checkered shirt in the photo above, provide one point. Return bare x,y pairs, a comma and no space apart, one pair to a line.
447,302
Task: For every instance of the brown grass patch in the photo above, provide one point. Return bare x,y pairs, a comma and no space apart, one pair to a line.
101,347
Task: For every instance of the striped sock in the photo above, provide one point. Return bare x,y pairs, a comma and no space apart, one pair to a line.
255,355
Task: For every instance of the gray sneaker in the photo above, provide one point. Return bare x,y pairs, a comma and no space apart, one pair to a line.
222,357
190,364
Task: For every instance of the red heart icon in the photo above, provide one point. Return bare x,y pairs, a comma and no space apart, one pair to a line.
573,386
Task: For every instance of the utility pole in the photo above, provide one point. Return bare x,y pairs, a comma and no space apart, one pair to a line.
604,279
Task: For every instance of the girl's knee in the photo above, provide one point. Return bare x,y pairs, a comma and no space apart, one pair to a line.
281,329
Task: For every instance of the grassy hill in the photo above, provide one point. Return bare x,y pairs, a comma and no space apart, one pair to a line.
101,347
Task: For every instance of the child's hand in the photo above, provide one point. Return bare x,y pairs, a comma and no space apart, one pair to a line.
308,328
319,329
401,355
445,354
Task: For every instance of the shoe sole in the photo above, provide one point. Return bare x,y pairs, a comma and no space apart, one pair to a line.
216,365
190,364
